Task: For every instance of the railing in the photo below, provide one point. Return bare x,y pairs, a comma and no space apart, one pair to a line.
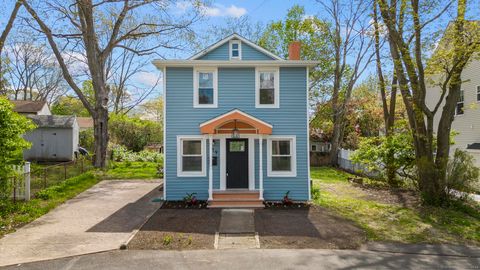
28,181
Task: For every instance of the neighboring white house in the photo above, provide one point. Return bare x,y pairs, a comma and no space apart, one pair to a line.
54,139
31,107
467,113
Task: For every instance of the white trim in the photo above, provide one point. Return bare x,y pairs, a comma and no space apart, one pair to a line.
223,159
232,112
260,165
228,63
223,163
195,87
164,133
308,138
233,36
251,163
230,49
210,168
293,154
181,173
276,72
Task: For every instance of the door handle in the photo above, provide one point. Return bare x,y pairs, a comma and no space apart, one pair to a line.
227,173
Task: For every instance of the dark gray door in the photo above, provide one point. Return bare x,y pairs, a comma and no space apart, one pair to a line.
237,163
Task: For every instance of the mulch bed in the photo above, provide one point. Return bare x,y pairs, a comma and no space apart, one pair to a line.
178,229
184,205
280,205
309,227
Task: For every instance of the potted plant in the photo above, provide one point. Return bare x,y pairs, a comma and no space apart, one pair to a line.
286,200
190,199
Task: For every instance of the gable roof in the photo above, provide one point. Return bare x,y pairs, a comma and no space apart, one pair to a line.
53,121
227,39
28,106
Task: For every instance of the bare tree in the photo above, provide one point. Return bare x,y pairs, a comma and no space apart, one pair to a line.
33,73
406,48
352,46
3,38
123,66
82,20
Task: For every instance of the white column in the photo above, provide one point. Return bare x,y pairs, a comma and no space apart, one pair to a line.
210,170
260,166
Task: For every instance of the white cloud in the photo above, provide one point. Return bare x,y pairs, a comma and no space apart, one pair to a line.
148,79
235,11
215,10
222,11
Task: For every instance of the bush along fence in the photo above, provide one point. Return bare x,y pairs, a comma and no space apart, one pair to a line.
348,165
30,178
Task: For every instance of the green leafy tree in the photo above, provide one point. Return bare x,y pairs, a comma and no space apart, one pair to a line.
133,132
375,154
312,32
69,105
12,127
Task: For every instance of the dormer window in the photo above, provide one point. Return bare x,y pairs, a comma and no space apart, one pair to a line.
235,50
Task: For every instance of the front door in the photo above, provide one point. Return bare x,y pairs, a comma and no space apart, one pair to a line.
237,163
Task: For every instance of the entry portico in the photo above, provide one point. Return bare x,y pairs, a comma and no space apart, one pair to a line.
236,131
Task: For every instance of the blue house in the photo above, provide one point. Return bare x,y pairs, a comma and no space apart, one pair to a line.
236,125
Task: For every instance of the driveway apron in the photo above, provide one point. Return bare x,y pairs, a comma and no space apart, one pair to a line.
99,219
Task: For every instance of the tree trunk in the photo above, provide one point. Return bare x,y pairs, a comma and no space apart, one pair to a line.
100,120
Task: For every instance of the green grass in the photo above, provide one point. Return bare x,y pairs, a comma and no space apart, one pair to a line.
131,170
459,223
14,215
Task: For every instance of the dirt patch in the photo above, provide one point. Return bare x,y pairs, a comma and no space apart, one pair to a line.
314,227
405,198
184,205
178,229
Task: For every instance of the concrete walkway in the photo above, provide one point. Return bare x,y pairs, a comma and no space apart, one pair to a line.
237,230
254,259
99,219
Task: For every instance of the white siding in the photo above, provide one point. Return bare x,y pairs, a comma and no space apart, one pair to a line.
467,124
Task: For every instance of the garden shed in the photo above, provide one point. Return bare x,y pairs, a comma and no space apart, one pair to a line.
54,139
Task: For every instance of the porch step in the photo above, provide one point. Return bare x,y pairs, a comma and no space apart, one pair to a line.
234,195
236,199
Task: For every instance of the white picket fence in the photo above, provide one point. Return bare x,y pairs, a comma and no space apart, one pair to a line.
21,183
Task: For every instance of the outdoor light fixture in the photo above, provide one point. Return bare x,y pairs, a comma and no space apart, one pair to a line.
235,131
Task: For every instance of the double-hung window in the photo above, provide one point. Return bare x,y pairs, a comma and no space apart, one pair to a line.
281,156
205,88
460,103
191,156
235,49
267,88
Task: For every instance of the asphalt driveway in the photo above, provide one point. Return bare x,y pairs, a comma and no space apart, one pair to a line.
99,219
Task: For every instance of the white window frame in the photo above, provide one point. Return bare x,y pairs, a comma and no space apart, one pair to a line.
180,172
478,92
239,42
462,94
276,72
293,154
196,71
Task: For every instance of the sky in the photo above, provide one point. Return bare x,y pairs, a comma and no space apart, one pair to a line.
263,11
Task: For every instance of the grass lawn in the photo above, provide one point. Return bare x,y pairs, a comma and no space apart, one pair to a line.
386,218
14,215
131,170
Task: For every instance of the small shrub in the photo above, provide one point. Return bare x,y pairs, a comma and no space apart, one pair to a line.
286,200
167,240
190,199
462,174
315,193
121,153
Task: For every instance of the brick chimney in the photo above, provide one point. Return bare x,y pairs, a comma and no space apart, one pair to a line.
294,50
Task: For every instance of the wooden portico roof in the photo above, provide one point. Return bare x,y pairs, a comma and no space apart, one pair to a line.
243,121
